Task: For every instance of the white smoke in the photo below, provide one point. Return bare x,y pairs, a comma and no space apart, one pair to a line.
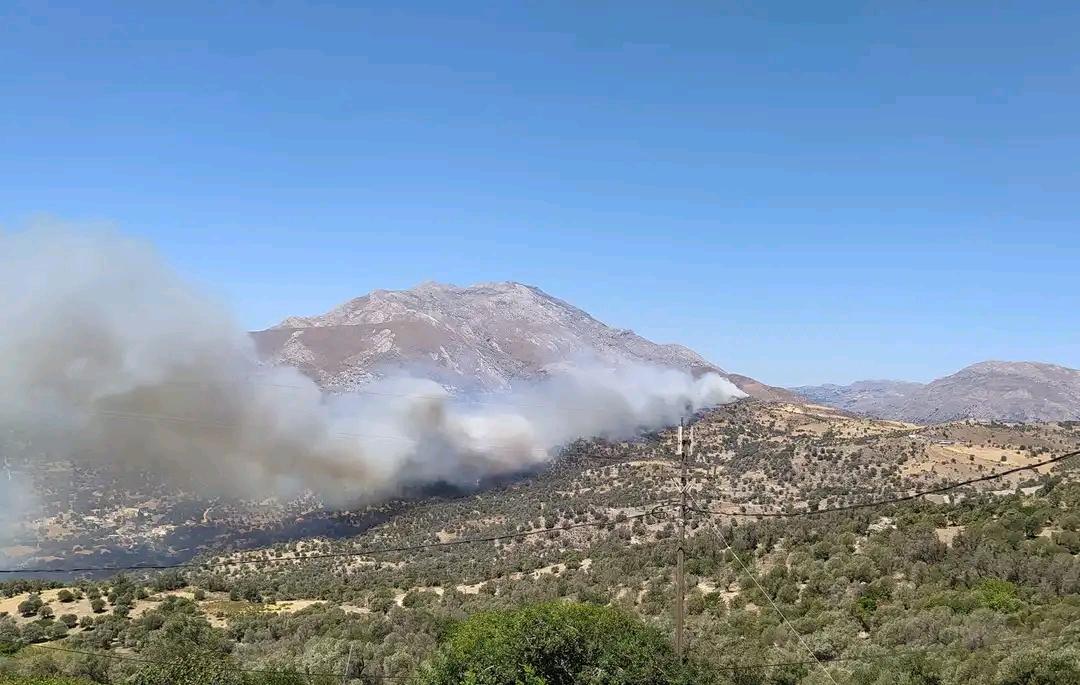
106,355
18,504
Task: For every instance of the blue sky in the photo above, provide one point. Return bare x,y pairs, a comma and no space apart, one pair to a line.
803,192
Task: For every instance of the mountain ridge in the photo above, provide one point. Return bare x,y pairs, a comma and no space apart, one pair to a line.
482,337
991,390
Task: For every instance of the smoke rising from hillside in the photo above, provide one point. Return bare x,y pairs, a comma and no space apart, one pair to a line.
108,356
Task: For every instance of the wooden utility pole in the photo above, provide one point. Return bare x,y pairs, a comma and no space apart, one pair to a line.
683,451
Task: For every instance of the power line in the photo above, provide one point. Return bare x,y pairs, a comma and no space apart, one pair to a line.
775,606
335,555
684,487
684,450
386,550
895,500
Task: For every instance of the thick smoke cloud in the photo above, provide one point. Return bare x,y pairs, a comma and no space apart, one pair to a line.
108,356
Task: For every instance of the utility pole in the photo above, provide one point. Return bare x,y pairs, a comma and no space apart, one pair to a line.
684,449
348,665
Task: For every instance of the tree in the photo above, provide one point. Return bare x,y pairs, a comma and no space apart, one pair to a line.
98,605
381,600
122,609
33,632
9,635
30,605
70,620
557,643
65,596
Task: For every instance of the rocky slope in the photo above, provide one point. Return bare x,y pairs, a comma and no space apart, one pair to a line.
481,337
991,390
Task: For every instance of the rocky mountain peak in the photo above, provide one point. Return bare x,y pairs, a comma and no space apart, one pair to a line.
485,336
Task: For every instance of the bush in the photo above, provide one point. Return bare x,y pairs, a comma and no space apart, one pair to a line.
31,605
169,580
557,643
33,632
998,595
214,669
1040,667
56,631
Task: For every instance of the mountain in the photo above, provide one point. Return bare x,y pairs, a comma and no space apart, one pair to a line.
869,398
481,337
991,390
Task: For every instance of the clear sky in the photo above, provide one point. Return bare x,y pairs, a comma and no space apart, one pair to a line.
803,192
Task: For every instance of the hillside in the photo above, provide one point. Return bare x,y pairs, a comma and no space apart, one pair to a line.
987,391
482,337
944,578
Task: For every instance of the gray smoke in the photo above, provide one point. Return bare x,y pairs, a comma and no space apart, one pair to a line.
107,356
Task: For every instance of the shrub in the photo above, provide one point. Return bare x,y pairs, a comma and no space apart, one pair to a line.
557,643
31,605
1039,667
999,595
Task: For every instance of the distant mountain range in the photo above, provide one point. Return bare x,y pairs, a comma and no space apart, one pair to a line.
482,337
991,390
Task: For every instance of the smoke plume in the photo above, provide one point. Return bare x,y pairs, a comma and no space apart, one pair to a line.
107,356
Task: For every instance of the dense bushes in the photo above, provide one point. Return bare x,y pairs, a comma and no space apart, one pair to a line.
557,644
